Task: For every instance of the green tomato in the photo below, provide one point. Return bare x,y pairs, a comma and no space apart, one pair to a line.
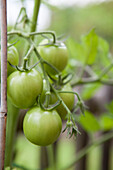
68,99
24,87
13,58
55,55
42,127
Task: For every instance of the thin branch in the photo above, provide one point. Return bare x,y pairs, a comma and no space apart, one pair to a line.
96,79
93,80
19,33
106,70
43,33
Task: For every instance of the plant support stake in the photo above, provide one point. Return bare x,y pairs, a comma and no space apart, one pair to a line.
3,111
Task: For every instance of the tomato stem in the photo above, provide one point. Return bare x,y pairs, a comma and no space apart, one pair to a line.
69,116
78,97
54,68
45,32
50,107
27,57
58,96
23,15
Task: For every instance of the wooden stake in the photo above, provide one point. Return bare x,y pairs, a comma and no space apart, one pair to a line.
3,112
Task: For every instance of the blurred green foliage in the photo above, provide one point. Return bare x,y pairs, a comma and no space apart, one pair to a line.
27,154
77,21
89,122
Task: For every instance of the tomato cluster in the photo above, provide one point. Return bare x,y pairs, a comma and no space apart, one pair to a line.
26,90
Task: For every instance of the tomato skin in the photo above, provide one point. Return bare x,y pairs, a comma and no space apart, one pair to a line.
13,58
42,127
68,99
55,55
24,87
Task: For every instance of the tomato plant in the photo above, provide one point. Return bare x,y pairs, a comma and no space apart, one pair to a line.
12,58
56,101
56,55
42,127
24,87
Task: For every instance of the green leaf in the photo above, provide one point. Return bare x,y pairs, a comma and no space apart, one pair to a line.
90,44
89,122
85,51
102,58
89,90
106,122
76,50
103,48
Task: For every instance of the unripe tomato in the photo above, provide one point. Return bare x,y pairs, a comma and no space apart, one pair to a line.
13,58
55,55
42,127
24,87
68,99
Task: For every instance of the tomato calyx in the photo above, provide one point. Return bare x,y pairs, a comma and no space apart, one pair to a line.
23,69
72,129
60,81
80,105
67,78
50,42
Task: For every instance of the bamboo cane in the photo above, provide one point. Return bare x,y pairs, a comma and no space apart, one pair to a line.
3,112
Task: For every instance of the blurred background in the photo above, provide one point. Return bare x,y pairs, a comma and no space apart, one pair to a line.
72,19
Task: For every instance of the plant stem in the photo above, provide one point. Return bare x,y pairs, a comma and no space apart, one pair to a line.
19,33
26,58
45,32
88,148
35,15
62,102
3,112
10,132
93,80
28,35
106,70
72,92
51,160
51,66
